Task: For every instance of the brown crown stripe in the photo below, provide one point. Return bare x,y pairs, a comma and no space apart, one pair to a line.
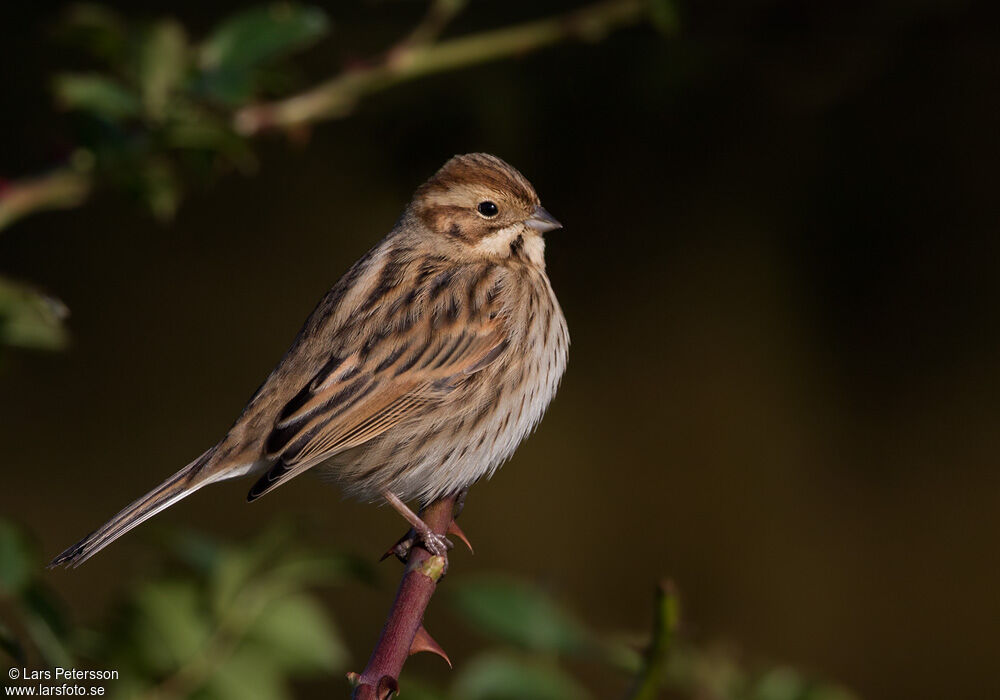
479,168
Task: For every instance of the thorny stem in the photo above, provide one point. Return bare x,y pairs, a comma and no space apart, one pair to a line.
380,679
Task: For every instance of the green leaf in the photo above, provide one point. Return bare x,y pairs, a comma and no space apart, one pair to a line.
45,620
663,16
170,623
521,614
30,319
10,644
779,684
46,606
502,677
230,87
245,675
162,65
198,550
96,94
707,672
97,29
160,188
129,686
207,135
261,34
15,555
783,683
296,635
238,567
303,568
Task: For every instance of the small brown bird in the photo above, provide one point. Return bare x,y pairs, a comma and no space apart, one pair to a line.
419,372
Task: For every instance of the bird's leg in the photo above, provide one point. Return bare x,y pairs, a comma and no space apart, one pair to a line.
436,544
405,543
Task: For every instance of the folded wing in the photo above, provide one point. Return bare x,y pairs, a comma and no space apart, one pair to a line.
394,376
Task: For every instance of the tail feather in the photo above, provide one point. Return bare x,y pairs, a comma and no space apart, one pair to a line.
275,477
182,484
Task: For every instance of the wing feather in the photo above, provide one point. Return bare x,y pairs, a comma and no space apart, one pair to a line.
359,395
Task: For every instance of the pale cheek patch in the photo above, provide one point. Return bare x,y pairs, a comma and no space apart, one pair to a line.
497,244
534,249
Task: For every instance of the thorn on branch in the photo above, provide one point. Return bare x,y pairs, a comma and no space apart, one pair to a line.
455,530
425,642
387,687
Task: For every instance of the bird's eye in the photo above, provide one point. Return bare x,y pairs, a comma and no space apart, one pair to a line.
487,209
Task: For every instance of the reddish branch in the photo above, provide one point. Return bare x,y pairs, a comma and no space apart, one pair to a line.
420,55
403,633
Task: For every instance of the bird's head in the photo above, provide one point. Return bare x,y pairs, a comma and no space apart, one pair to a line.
479,207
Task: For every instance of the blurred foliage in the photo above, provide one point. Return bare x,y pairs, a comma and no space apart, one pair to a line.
30,319
154,110
242,622
545,642
158,111
151,115
226,621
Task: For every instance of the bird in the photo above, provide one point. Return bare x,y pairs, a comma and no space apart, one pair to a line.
418,374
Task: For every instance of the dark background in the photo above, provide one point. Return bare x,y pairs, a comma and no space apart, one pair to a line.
779,267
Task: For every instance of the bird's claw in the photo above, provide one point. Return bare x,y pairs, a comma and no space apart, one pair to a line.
436,544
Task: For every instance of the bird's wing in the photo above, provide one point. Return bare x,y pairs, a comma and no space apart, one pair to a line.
391,378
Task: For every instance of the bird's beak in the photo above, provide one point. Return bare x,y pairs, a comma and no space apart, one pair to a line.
542,221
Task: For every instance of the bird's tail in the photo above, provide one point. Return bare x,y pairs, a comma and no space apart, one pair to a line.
183,483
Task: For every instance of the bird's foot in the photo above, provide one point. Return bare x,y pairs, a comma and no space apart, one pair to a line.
421,533
436,544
